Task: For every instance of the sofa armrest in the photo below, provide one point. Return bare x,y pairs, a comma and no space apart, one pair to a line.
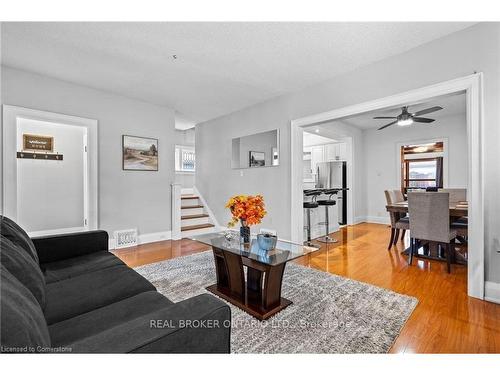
64,246
199,324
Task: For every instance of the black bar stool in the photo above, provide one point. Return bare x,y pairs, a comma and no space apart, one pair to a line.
327,203
309,205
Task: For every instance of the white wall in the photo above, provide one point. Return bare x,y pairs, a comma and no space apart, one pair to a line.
185,137
50,193
453,56
381,158
127,199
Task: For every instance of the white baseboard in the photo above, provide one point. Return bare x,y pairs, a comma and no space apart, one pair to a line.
146,238
378,219
372,219
359,220
492,292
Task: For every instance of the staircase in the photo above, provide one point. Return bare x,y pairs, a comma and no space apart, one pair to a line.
194,219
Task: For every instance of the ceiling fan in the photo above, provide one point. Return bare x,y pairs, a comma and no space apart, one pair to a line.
407,118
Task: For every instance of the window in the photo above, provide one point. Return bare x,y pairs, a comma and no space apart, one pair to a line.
422,166
420,173
185,159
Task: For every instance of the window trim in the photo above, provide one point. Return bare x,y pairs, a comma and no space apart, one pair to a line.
400,157
178,161
406,170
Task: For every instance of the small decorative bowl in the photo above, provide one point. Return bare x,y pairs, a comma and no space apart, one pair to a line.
266,241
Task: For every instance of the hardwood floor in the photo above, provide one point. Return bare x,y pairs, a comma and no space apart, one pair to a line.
446,320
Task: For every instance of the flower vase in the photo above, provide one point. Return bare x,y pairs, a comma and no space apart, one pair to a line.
245,232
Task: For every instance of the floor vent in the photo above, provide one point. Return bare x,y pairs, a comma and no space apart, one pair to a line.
125,238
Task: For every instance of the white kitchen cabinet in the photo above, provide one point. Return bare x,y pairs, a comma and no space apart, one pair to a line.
335,151
342,151
330,151
317,156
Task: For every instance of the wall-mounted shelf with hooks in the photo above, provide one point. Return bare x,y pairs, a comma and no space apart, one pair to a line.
39,156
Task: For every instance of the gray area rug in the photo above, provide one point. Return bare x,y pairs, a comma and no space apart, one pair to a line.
329,314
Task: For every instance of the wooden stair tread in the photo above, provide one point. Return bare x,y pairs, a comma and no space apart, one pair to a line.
193,206
199,226
185,217
189,197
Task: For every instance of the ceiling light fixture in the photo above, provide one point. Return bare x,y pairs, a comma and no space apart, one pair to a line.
317,130
405,122
421,149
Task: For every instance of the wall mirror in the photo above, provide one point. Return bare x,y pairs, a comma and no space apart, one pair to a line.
256,150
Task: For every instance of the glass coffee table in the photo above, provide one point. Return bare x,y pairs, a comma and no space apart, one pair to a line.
260,293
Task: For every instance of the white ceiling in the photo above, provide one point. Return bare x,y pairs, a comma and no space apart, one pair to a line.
453,105
220,67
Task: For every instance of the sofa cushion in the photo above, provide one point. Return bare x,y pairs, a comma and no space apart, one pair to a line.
23,267
16,234
22,322
68,298
72,267
94,322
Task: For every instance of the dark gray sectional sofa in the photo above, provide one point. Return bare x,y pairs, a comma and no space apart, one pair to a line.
68,293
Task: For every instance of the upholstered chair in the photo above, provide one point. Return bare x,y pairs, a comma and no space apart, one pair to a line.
461,224
456,195
398,196
398,222
430,221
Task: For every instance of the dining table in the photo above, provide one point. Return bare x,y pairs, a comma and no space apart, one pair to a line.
430,249
457,209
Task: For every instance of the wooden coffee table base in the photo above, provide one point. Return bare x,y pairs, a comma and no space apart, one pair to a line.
259,295
256,311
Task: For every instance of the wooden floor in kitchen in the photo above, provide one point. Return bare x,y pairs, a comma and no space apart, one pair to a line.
446,320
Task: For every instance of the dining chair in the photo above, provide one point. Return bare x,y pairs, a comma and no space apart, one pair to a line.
430,221
456,195
398,196
460,224
398,222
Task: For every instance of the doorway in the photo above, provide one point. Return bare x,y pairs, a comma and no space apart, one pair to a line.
51,193
328,143
50,171
472,87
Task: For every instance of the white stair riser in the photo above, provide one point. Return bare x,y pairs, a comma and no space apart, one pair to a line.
197,221
187,191
190,202
194,232
191,211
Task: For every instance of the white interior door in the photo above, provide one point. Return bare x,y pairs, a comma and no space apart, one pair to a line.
52,195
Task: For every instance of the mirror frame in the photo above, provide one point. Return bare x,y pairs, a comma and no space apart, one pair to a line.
278,147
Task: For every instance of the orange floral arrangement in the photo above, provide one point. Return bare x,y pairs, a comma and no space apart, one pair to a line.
247,208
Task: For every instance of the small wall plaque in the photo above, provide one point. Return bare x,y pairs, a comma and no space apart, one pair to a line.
33,142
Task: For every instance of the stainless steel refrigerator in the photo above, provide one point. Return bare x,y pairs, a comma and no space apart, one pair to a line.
333,175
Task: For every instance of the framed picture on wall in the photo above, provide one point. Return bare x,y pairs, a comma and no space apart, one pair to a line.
139,153
257,159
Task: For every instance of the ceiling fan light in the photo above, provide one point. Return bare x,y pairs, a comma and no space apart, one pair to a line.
405,122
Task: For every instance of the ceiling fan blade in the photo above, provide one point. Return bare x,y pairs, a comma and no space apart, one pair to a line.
423,119
382,117
428,110
389,124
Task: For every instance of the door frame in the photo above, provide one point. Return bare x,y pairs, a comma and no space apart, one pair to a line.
472,85
9,203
